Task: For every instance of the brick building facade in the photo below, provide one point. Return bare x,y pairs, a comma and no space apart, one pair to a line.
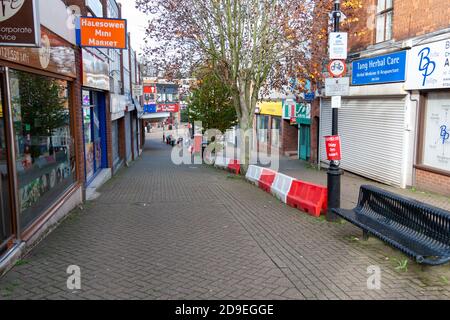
402,120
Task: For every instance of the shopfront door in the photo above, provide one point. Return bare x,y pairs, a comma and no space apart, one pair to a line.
6,229
93,133
304,142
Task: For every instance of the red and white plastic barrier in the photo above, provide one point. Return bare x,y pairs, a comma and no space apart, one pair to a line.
308,197
266,179
234,166
281,186
253,174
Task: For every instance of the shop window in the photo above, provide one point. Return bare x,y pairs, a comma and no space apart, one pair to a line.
44,147
436,143
262,128
276,126
5,211
384,20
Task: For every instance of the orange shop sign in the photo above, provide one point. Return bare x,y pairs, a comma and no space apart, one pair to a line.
102,33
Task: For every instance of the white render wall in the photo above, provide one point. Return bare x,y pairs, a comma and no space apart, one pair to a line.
56,17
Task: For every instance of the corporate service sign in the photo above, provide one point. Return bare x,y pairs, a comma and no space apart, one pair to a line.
380,69
429,66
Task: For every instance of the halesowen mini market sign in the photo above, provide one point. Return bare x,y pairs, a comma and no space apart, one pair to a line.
102,33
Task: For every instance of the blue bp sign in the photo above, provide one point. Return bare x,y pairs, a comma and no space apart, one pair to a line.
382,69
150,108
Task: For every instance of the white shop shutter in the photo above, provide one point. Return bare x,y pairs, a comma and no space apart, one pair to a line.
372,133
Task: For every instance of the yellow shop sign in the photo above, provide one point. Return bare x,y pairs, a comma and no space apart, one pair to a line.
271,108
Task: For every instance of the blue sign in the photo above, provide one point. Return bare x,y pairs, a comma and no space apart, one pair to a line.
310,96
382,69
150,108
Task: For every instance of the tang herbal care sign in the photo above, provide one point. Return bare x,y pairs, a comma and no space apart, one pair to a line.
102,33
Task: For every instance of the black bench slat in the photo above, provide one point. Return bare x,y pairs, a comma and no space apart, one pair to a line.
418,229
402,238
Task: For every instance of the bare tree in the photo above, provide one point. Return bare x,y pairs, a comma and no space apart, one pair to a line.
251,45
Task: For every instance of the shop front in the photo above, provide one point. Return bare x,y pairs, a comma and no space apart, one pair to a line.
38,156
299,115
118,132
376,121
432,91
93,94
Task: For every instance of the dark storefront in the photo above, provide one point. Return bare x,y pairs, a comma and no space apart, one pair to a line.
37,132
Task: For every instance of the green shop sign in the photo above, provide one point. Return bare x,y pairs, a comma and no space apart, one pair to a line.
303,113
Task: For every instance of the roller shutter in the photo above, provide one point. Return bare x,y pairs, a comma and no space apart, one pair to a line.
372,132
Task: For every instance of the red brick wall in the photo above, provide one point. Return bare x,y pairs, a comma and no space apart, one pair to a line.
315,117
429,181
411,18
289,137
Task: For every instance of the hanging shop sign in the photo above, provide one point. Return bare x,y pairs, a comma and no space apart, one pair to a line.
381,69
95,72
55,55
338,45
337,68
138,90
429,66
289,108
337,86
102,33
333,148
19,23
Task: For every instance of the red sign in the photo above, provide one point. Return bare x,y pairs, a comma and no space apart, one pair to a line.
337,68
149,89
333,147
168,108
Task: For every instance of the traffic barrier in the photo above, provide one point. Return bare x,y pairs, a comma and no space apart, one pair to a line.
281,186
221,161
266,179
234,166
308,197
253,174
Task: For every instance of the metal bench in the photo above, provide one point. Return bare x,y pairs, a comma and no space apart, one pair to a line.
419,230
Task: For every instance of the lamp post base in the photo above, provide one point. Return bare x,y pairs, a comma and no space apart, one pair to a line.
334,191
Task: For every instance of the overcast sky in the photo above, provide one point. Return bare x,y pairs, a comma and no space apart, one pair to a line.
137,23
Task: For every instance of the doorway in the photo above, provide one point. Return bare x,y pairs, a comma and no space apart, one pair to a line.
94,133
304,134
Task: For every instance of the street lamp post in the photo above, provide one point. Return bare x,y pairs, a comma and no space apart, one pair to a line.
334,172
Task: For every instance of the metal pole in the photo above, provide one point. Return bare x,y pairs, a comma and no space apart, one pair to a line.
334,172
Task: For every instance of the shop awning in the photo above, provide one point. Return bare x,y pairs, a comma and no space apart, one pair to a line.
156,116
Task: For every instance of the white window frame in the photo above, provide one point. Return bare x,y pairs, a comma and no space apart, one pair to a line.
383,20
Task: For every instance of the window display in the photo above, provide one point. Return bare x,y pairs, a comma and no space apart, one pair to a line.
5,212
44,147
276,126
436,146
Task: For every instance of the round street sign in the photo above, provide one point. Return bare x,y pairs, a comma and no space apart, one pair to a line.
337,68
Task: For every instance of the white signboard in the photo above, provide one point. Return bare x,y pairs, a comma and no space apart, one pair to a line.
138,90
336,102
337,87
338,45
429,66
436,152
